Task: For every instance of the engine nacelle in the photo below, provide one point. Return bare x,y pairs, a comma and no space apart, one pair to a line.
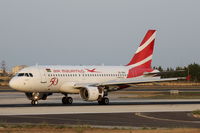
91,93
37,95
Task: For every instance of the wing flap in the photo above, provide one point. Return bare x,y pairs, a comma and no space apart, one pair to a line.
128,82
136,81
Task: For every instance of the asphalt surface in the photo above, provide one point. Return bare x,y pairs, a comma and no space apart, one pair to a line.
112,103
153,120
164,113
138,88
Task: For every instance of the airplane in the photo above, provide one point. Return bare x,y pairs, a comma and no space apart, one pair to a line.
93,83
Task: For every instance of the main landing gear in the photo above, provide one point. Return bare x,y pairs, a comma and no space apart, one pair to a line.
103,101
67,100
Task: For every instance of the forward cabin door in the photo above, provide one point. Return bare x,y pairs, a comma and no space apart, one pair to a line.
43,75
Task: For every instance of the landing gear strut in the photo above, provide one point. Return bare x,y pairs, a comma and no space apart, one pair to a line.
104,101
67,100
34,102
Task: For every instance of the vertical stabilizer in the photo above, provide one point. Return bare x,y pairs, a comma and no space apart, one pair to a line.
141,61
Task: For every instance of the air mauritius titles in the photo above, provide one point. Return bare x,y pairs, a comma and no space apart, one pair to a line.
70,70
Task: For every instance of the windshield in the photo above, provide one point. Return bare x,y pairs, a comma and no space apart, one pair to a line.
24,75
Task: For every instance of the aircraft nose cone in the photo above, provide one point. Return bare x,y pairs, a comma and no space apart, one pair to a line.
13,84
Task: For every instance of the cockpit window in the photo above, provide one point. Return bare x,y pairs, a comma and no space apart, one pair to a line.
20,74
31,75
25,74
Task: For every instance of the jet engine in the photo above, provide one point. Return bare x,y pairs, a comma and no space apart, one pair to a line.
37,95
91,93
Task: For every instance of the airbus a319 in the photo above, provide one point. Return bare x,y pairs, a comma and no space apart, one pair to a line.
93,83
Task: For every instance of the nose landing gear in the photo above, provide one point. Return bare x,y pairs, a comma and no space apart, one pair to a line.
34,102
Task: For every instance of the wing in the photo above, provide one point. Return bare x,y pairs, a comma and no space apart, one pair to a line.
124,83
112,85
135,81
158,73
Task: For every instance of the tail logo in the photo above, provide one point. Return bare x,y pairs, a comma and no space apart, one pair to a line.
92,70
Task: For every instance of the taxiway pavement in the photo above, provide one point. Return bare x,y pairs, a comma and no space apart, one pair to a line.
15,103
15,108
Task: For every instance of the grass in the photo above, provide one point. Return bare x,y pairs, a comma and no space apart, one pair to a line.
24,128
196,112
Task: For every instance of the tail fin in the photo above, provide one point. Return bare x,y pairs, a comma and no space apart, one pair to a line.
143,55
142,59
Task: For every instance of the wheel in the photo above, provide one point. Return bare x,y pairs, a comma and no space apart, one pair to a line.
104,101
64,100
70,100
67,100
34,102
100,102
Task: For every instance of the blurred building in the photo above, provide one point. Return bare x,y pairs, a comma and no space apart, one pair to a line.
1,71
16,69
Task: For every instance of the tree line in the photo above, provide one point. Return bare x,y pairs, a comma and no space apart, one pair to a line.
191,72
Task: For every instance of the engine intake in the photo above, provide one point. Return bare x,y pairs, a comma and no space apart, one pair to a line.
91,93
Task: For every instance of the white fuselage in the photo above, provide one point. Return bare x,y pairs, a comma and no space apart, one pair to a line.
51,78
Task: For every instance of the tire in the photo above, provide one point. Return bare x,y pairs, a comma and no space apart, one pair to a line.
69,100
104,101
64,100
33,102
100,102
